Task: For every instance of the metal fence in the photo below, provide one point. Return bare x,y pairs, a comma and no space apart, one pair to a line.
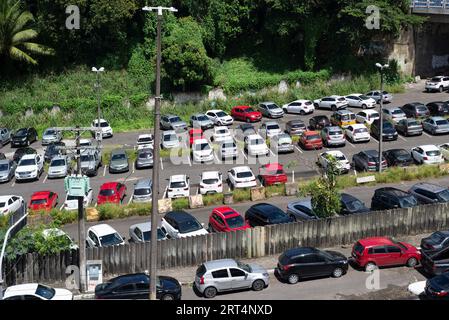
436,4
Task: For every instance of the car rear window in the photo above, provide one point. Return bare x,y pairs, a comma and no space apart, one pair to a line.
39,201
284,259
107,192
201,271
433,153
313,137
359,248
361,130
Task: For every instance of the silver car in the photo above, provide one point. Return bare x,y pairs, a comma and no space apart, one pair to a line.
7,170
144,158
51,135
59,167
228,149
143,191
377,95
119,161
173,122
141,232
5,136
333,136
436,125
201,121
90,162
282,143
229,275
169,140
271,110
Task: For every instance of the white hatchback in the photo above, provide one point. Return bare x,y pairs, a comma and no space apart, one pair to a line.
357,133
178,186
221,134
202,151
211,182
255,145
36,291
241,177
427,154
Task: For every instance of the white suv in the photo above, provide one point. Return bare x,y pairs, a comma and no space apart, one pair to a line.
103,235
202,151
333,103
106,130
219,117
221,134
241,177
211,182
178,186
30,167
255,145
360,101
145,141
439,83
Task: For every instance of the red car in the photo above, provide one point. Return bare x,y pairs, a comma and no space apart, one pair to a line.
111,192
226,219
310,140
43,200
272,173
195,134
246,113
383,251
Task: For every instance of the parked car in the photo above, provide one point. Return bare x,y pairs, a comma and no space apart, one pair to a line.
319,122
389,133
359,100
437,241
263,214
7,170
295,127
301,210
444,149
343,118
271,110
333,103
357,133
270,129
219,117
111,192
378,95
367,116
178,186
55,234
391,198
307,262
246,113
103,235
23,137
351,205
201,121
272,174
51,135
256,146
436,125
333,136
438,108
202,151
106,130
85,144
427,154
435,263
375,252
5,136
54,149
393,115
169,140
367,160
398,157
415,110
71,202
241,177
180,224
244,130
341,162
438,287
36,291
409,127
141,232
43,200
30,167
91,160
211,182
145,141
228,149
137,286
227,275
143,191
144,159
438,83
10,204
426,193
221,134
20,152
310,140
226,219
173,122
301,107
59,167
282,143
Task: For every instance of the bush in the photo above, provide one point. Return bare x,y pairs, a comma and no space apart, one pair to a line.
180,204
61,217
241,195
275,190
215,199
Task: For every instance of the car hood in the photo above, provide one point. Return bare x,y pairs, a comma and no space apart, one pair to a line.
62,294
255,268
179,124
119,163
389,131
88,164
336,255
58,168
26,168
49,136
4,173
199,232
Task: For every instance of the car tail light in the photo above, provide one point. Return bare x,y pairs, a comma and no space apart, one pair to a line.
371,163
170,189
285,268
202,280
425,158
441,293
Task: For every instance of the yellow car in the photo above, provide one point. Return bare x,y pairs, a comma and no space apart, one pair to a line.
343,118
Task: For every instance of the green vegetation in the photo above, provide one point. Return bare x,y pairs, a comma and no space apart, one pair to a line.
215,199
180,204
241,195
275,190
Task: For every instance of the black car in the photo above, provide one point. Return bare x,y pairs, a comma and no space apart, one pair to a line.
392,198
263,214
319,122
53,149
351,205
438,287
23,137
2,156
398,157
435,263
438,108
21,152
244,130
427,193
437,241
367,160
389,133
415,110
307,262
137,286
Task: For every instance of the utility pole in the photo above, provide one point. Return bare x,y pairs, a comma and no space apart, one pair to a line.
156,155
381,69
98,87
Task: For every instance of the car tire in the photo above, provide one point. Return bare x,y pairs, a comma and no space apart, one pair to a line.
337,273
412,262
293,278
168,297
285,110
441,89
210,292
293,217
302,112
364,106
370,266
210,229
258,285
334,108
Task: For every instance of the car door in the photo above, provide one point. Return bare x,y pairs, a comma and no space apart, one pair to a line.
218,223
16,203
221,280
231,176
126,291
379,255
394,256
92,240
294,107
313,265
239,279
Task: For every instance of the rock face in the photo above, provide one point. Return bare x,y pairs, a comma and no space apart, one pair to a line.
283,87
257,193
228,198
150,103
29,113
196,201
186,97
55,110
217,94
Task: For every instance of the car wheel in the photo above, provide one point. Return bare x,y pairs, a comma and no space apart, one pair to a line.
337,273
285,110
28,142
293,278
210,229
302,112
363,106
370,266
293,218
412,262
258,285
210,292
441,89
334,108
168,297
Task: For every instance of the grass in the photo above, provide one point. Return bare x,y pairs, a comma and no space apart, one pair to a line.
180,204
275,190
241,195
215,199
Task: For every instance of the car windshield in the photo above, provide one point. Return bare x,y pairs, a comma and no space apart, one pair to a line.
244,266
247,110
178,184
202,118
57,163
273,127
402,154
147,235
275,213
339,157
335,132
444,195
119,156
364,97
442,122
202,147
374,115
347,117
175,119
110,239
39,201
297,125
274,171
438,237
189,226
147,139
361,130
142,191
398,243
388,125
408,202
49,132
228,145
107,192
421,109
355,205
235,222
257,141
358,248
436,79
244,174
87,157
4,167
313,137
397,112
221,114
210,181
145,155
27,162
222,131
413,123
341,99
45,292
272,106
21,132
433,153
170,137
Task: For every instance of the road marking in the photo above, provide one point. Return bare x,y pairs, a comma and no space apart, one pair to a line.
162,164
13,183
351,144
165,193
300,151
272,153
190,163
216,158
427,135
401,137
244,155
62,206
104,170
130,199
45,179
134,167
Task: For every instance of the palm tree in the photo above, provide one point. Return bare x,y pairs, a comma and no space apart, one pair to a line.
15,33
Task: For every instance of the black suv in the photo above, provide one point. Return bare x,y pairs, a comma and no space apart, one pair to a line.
392,198
307,262
23,137
263,214
438,108
435,263
351,205
388,131
415,110
427,193
398,157
437,241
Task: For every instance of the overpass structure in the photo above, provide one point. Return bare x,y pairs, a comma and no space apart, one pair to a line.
430,6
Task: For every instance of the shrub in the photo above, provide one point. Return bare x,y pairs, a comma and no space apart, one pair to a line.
241,195
180,204
215,199
275,190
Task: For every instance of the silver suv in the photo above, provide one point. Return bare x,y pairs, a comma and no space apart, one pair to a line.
90,162
229,275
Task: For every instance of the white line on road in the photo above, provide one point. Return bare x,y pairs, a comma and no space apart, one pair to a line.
401,137
190,163
62,206
216,158
162,164
104,170
134,167
130,199
427,135
272,153
45,179
13,183
300,151
244,155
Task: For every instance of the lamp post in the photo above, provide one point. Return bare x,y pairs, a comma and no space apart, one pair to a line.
97,87
156,155
381,70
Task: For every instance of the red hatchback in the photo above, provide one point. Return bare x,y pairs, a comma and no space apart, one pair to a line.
226,219
111,192
382,252
246,113
43,200
310,140
272,173
195,134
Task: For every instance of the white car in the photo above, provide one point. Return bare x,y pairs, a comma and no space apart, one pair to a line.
106,130
103,235
439,83
71,203
219,117
255,146
145,141
333,103
202,151
241,177
30,167
342,162
301,107
36,291
228,149
359,100
394,114
58,233
10,204
282,143
427,154
367,116
211,182
59,167
169,140
180,224
221,134
270,129
357,133
85,143
178,186
444,149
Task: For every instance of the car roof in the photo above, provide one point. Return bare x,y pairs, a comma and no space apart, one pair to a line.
375,241
345,197
166,133
344,111
242,107
144,226
268,102
29,156
254,136
4,198
209,174
333,128
437,118
108,185
300,100
102,229
295,121
335,96
304,202
221,128
146,135
371,152
369,111
223,210
428,147
5,161
59,157
178,177
299,251
320,117
101,120
215,110
272,166
358,126
143,183
334,152
310,132
118,151
218,264
393,191
200,141
41,194
271,122
429,186
21,289
179,216
242,169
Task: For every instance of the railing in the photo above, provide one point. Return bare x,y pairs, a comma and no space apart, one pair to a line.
434,4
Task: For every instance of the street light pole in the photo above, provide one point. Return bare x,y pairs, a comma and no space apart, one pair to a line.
97,87
156,154
381,68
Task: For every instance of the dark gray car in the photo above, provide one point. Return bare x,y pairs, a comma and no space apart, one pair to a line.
429,193
119,161
144,158
7,170
409,127
301,210
5,136
143,191
436,125
271,110
173,122
201,121
295,127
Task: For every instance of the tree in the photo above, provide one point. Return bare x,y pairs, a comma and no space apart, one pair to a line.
16,35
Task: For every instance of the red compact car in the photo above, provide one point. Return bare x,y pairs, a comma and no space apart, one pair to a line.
43,200
195,134
111,192
272,173
310,140
226,219
383,251
246,113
